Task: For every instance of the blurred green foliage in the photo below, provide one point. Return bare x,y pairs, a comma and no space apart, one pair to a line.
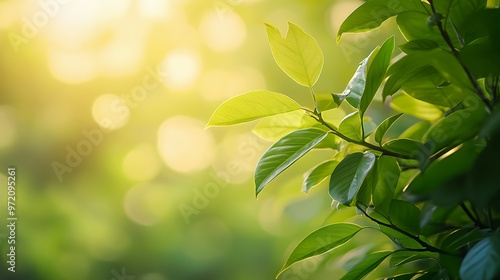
102,109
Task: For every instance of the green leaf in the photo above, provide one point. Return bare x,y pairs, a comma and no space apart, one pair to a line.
416,131
321,241
356,86
274,128
284,153
419,45
464,236
387,181
366,266
376,73
413,25
449,68
456,127
327,101
384,126
351,127
318,174
348,176
298,55
481,262
407,276
405,215
401,241
372,13
411,106
251,106
407,147
404,257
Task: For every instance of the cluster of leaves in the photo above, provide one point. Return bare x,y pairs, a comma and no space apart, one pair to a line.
448,78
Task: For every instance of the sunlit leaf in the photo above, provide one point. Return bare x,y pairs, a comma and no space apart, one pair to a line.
321,241
298,55
411,106
348,176
318,174
327,101
274,128
366,266
419,45
384,126
251,106
284,153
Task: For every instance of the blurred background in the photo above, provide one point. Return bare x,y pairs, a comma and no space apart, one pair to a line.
102,111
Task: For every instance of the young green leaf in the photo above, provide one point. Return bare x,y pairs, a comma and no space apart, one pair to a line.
318,174
366,266
348,176
481,262
372,13
351,127
284,153
321,241
384,126
298,55
251,106
376,74
276,127
405,215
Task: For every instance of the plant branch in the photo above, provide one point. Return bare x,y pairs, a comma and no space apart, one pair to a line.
477,222
455,53
318,117
426,246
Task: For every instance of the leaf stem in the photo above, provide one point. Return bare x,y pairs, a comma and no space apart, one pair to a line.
318,117
455,53
469,214
426,246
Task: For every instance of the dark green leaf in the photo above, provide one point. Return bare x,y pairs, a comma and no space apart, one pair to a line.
251,106
366,266
321,241
464,236
387,180
418,45
284,153
405,215
406,147
413,26
298,55
348,176
404,257
401,241
481,262
384,126
318,174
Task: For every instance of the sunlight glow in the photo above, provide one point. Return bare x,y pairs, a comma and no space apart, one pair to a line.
182,67
154,9
184,145
7,126
147,204
72,67
141,163
223,32
218,84
110,112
